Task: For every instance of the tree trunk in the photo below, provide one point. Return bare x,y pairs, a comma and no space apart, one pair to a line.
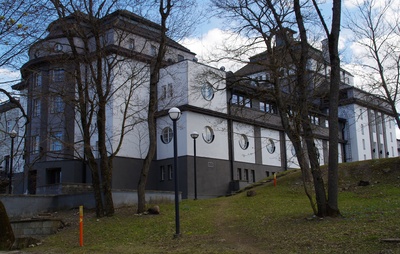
105,161
155,68
7,237
96,187
151,122
333,40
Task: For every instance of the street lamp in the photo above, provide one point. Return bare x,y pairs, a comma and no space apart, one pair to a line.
175,114
12,134
194,136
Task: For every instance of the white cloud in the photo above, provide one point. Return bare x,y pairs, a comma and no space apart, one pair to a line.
211,48
8,75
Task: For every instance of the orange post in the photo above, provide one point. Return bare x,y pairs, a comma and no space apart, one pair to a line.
81,226
274,179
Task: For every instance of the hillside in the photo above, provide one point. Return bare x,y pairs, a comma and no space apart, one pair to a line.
275,220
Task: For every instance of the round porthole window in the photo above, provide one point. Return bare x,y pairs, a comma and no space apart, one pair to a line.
207,91
167,135
271,146
293,151
243,142
208,134
58,47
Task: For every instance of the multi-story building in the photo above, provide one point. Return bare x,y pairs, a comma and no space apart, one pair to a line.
11,142
241,139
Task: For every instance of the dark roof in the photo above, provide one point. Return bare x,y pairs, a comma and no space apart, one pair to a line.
124,20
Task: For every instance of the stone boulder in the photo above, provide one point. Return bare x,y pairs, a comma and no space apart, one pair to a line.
154,210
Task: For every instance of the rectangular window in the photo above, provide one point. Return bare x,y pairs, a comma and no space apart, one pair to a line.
362,129
253,176
53,175
271,108
57,105
391,137
170,172
235,99
241,100
153,50
132,44
379,124
36,107
361,114
239,174
9,126
314,119
58,75
246,174
267,173
170,90
374,152
247,102
363,143
167,91
268,107
37,79
162,173
56,141
35,144
180,58
163,92
262,106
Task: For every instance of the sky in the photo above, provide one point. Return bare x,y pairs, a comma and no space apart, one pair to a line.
209,37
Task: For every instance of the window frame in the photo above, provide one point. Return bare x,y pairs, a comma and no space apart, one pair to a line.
36,107
170,172
35,144
57,105
56,141
162,173
271,147
208,134
167,135
37,79
243,141
58,75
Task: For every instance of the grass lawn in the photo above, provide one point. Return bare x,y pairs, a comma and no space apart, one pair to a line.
276,220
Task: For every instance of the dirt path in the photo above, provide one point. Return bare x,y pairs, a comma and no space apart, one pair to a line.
237,240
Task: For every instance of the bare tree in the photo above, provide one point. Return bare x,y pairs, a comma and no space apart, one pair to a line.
375,28
334,60
19,25
176,19
109,71
104,74
268,25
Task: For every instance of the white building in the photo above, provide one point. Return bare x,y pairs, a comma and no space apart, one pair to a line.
11,141
241,139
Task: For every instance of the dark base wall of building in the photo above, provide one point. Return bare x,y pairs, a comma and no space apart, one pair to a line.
214,177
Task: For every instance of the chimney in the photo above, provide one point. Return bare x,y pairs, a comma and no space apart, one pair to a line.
283,36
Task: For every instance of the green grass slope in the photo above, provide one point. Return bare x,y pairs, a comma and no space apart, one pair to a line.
275,220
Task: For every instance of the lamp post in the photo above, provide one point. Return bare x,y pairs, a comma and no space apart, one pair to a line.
175,114
13,134
194,136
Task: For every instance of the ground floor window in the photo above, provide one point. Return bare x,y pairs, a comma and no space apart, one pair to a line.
170,172
239,174
53,175
162,173
246,175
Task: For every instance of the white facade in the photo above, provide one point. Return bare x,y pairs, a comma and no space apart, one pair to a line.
369,134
